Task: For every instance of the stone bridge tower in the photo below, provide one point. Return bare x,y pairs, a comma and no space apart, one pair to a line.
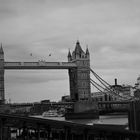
79,77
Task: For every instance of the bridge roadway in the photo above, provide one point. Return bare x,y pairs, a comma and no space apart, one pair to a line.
39,65
104,107
66,103
26,127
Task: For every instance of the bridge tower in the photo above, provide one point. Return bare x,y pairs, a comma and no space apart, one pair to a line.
79,77
2,97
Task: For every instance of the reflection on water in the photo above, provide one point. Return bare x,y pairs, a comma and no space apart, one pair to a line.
114,119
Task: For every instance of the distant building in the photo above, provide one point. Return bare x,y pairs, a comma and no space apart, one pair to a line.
65,98
99,96
45,101
123,90
127,90
137,85
137,88
137,93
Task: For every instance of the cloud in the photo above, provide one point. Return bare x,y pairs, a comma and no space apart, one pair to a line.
36,92
33,86
34,76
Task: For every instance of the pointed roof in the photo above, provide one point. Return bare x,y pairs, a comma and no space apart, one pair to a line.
78,49
87,51
1,49
69,53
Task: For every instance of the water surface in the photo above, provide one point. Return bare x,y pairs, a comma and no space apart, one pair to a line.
106,119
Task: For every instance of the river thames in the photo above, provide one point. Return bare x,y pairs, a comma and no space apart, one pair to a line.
105,119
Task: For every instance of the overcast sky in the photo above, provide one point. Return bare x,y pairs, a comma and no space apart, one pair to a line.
110,28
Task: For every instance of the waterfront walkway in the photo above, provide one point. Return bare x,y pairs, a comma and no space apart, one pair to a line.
28,128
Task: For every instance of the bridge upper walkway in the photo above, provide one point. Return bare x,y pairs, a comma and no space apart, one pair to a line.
39,65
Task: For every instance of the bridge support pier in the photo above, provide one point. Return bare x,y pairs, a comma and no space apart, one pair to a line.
38,133
4,131
67,133
1,129
85,135
134,116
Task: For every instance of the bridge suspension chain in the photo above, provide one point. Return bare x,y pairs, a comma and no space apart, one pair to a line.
103,83
98,77
96,85
106,85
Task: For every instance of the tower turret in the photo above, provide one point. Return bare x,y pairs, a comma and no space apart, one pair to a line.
1,52
87,52
78,50
69,56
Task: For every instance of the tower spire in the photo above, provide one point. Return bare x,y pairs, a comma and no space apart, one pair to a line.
87,51
1,49
78,50
69,53
69,56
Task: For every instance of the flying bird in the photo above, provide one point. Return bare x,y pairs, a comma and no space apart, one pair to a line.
50,54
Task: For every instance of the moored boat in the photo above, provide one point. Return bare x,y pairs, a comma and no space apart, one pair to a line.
51,113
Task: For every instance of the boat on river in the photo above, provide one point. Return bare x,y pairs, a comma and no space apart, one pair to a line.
51,113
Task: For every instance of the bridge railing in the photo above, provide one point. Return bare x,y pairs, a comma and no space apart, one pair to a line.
12,65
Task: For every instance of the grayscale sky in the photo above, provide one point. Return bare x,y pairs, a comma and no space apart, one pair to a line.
110,28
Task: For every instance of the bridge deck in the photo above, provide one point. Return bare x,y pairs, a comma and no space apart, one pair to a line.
67,103
39,65
114,102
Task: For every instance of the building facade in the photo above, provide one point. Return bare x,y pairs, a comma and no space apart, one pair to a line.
137,85
137,89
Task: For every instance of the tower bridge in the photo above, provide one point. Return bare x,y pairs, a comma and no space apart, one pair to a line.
78,66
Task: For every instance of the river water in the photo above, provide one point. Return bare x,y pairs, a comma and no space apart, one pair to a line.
106,119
